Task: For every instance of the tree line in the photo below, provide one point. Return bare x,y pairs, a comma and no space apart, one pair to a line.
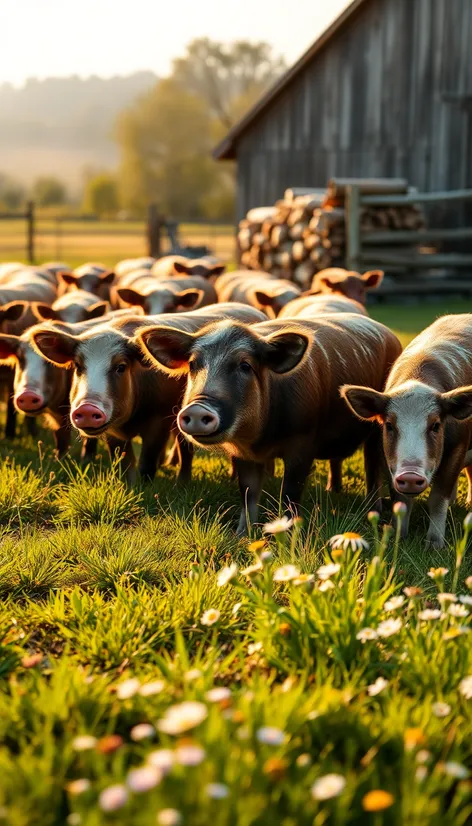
165,137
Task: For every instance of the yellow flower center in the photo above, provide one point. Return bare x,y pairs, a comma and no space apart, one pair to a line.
351,535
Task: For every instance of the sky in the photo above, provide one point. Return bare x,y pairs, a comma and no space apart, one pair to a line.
50,38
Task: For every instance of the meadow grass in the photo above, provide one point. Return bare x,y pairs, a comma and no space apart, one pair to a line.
114,617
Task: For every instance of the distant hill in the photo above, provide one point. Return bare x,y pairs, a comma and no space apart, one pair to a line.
62,125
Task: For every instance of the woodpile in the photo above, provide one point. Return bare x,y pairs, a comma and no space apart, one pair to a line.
306,231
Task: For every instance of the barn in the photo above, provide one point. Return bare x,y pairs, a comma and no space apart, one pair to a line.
386,91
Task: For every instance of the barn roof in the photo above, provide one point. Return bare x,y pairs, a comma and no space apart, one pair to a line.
226,149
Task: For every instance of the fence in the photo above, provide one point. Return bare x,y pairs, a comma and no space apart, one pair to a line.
35,237
364,249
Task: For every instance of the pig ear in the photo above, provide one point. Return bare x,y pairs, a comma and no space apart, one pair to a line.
181,268
107,277
67,278
457,403
98,309
43,312
12,311
8,347
364,402
285,350
131,296
59,348
219,270
372,279
188,299
263,298
168,349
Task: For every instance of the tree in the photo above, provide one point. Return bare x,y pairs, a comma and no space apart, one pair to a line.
12,193
166,142
49,191
223,74
101,195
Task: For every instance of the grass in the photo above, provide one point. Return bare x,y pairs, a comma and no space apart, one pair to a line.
111,615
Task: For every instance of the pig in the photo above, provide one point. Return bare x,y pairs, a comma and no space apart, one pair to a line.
271,390
311,305
348,283
424,414
93,278
71,308
131,264
159,295
8,268
27,284
114,390
207,267
258,289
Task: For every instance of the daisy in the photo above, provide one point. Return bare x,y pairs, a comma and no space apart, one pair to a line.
389,627
377,687
84,742
162,759
270,736
286,573
278,526
218,694
429,614
445,597
217,791
344,541
169,817
254,647
456,770
128,688
74,819
465,687
78,786
441,709
412,592
142,731
226,574
192,674
394,603
331,785
235,608
458,611
304,579
253,569
144,779
326,585
113,798
183,717
438,573
210,617
190,755
265,556
327,571
468,582
148,689
366,634
466,599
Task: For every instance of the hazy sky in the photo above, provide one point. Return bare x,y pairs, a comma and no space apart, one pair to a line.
61,37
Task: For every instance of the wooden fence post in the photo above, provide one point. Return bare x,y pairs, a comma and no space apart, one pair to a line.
353,235
30,231
154,226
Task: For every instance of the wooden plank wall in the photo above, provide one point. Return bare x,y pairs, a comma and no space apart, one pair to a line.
379,100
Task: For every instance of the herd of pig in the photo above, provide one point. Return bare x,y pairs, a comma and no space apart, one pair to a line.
240,362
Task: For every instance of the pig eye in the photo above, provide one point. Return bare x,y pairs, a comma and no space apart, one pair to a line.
120,369
245,367
78,368
389,427
435,428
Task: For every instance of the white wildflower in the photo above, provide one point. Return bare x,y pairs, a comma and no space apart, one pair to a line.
218,694
254,648
226,574
235,608
327,571
326,585
128,688
465,687
192,675
79,786
149,689
210,617
429,614
190,755
144,778
331,785
366,634
270,736
458,611
113,798
394,603
278,526
377,687
389,627
84,742
162,759
344,541
286,573
456,770
182,717
217,791
142,731
169,817
466,599
441,709
445,597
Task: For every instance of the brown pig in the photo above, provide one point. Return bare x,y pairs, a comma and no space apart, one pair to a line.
258,289
348,283
93,278
170,265
308,306
164,295
72,307
425,421
271,390
114,390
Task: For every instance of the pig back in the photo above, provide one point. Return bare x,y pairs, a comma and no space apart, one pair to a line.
313,305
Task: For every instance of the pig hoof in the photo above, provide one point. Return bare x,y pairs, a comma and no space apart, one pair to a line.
434,542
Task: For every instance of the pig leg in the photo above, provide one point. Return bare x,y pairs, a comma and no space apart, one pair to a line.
297,468
89,449
62,437
154,441
441,494
374,463
10,427
32,427
250,477
185,453
123,449
335,476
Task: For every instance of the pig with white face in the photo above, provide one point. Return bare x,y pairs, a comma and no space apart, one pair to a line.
171,295
271,390
93,278
116,393
72,308
425,414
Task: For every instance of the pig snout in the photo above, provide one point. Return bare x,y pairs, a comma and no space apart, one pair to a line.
29,401
410,482
198,420
88,416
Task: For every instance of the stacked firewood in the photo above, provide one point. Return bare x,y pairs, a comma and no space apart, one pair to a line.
306,231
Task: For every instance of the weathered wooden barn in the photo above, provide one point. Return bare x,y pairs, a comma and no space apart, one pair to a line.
386,91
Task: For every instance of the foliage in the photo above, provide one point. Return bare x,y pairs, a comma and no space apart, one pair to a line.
49,191
12,193
101,195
